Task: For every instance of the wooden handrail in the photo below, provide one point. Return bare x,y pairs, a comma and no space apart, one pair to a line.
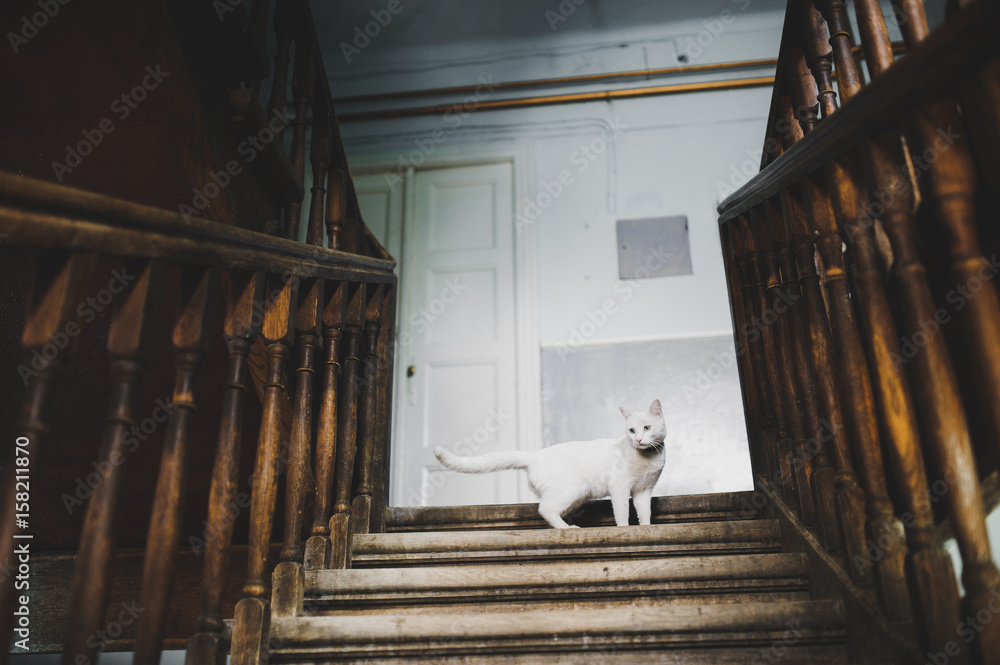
43,214
876,188
926,72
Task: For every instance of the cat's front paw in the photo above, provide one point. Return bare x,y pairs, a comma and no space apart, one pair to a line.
572,526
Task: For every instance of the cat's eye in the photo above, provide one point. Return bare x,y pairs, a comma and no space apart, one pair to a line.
631,430
647,428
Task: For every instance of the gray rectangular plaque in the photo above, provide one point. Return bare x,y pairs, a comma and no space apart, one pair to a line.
653,247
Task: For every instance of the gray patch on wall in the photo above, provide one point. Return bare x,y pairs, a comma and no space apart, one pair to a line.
695,379
653,247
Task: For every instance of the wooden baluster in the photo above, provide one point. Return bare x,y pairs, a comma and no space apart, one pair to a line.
193,330
289,575
320,154
755,329
361,505
285,14
748,382
57,287
303,80
334,315
779,300
951,180
838,34
890,389
822,478
849,497
341,524
253,615
785,478
130,337
242,297
336,207
380,463
979,98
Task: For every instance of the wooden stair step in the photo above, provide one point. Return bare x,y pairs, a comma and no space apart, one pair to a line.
549,636
449,547
665,509
732,578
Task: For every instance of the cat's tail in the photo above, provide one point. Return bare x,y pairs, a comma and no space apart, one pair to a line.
508,459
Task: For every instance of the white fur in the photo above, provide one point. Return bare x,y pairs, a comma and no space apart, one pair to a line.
567,474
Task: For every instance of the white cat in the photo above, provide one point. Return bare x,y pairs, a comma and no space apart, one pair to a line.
567,474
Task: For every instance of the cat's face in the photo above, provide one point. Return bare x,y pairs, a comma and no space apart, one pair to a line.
645,429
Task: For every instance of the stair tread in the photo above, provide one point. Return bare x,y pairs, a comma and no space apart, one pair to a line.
514,540
684,508
562,630
548,574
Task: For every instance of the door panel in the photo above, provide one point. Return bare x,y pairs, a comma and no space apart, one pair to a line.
458,269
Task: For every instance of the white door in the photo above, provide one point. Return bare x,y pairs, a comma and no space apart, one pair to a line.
456,379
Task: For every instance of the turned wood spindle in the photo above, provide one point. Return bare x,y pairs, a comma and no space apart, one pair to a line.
192,333
334,315
341,522
242,295
130,337
253,612
380,461
950,181
748,382
779,302
302,93
754,330
765,318
320,155
367,413
58,284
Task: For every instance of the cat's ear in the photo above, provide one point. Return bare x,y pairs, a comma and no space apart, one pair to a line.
625,412
655,408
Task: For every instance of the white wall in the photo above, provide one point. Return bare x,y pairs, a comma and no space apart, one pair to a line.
634,158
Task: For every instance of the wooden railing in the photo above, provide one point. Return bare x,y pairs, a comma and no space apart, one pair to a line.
324,315
861,292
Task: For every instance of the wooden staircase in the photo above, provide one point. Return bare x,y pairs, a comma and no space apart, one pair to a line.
684,590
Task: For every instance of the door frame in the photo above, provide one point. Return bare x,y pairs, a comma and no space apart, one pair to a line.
526,313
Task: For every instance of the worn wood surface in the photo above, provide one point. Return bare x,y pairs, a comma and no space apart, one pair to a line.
130,341
542,631
685,508
193,332
426,547
242,298
924,73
